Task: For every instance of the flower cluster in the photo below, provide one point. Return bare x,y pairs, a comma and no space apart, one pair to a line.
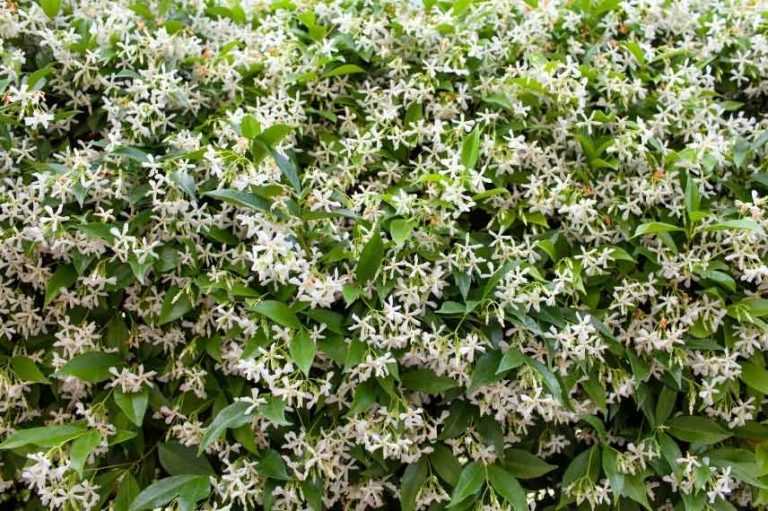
383,254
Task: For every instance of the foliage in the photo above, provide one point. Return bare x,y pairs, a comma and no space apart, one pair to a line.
382,254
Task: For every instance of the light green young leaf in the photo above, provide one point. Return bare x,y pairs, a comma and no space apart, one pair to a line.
470,148
400,230
274,134
51,7
249,127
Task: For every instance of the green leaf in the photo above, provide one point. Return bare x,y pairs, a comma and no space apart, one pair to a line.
445,464
313,494
742,462
619,254
524,465
370,258
47,436
655,228
755,376
500,100
133,405
596,392
274,134
745,224
425,380
350,293
193,492
302,349
138,268
164,491
512,359
127,491
586,464
450,307
721,278
273,466
485,370
410,484
288,168
249,127
175,304
748,308
470,481
665,404
507,486
98,231
363,399
185,182
692,195
232,416
240,198
278,312
669,449
92,366
460,417
81,448
179,459
50,7
344,69
741,150
400,230
549,378
470,148
27,371
274,410
64,276
635,488
610,467
696,429
490,285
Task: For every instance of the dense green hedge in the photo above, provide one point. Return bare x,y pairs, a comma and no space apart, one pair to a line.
383,254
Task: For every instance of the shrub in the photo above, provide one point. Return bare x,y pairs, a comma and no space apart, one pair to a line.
350,254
